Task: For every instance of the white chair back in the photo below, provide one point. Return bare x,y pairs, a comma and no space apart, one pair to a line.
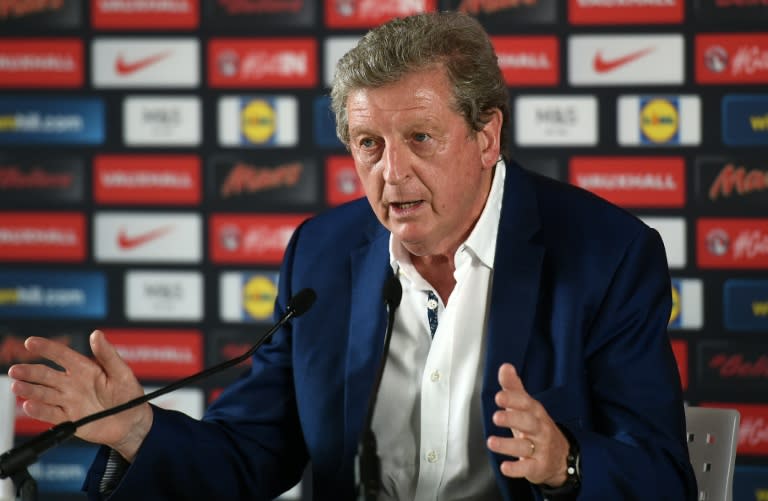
7,420
713,435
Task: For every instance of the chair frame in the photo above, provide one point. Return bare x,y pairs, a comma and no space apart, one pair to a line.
713,435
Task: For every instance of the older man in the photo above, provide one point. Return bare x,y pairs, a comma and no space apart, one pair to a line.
529,355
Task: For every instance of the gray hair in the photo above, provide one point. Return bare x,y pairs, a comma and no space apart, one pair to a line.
453,40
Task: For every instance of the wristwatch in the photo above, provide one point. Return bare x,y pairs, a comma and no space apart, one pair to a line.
572,469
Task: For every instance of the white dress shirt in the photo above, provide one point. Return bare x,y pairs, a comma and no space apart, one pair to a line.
428,417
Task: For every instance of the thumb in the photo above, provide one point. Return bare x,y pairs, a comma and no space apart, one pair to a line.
107,355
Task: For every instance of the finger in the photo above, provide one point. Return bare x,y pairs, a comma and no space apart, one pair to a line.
107,354
526,423
522,468
515,399
508,378
43,412
37,374
514,447
55,352
36,392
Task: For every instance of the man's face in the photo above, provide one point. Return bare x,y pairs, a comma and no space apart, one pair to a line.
425,172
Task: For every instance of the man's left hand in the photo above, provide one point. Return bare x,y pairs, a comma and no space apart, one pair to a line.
538,442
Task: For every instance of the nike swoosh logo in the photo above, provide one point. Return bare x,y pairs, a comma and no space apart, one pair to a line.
128,242
602,65
127,68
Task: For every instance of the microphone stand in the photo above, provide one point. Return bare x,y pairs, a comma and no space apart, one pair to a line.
367,464
14,463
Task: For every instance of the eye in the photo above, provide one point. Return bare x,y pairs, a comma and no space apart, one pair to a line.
420,137
367,143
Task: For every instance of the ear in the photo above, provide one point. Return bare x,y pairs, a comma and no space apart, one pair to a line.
489,139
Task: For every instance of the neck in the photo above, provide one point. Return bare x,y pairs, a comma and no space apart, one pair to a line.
438,271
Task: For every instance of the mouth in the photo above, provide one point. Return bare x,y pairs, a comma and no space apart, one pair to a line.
402,208
406,205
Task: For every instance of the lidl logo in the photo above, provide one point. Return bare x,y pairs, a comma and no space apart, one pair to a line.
247,296
687,304
663,120
258,121
259,294
659,120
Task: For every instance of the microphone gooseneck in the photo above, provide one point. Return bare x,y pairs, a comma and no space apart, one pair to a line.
367,464
18,458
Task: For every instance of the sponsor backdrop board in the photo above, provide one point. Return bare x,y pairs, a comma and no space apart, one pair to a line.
156,156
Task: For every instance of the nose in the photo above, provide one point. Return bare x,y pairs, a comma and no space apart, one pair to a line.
397,166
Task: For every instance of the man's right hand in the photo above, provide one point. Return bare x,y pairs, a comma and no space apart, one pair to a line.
84,387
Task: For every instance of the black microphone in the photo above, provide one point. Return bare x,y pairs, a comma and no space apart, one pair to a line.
18,458
367,465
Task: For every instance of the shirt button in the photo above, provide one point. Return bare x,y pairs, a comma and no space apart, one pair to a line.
435,376
432,456
432,304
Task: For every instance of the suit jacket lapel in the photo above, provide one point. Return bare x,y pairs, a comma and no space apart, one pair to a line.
513,302
369,270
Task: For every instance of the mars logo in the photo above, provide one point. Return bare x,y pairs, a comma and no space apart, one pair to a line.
20,8
734,180
503,13
40,13
249,179
12,350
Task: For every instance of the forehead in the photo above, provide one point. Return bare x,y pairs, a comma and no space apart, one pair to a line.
425,93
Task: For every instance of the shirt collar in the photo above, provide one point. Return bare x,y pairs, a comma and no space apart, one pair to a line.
481,241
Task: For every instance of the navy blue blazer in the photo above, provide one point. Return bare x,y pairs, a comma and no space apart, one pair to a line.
579,304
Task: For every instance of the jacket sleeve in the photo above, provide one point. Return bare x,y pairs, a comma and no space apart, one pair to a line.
249,444
636,447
